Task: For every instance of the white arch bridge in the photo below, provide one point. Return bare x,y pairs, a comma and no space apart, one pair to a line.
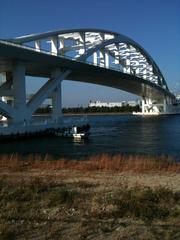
88,55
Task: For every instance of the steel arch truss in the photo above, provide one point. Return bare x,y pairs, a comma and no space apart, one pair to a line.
101,48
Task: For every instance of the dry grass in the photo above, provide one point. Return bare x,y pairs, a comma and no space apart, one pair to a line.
44,208
104,162
102,197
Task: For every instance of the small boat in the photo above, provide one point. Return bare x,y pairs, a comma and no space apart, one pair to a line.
76,132
2,118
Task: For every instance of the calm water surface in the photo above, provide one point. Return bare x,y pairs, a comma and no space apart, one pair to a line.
110,134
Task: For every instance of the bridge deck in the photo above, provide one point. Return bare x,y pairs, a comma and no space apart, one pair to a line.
41,64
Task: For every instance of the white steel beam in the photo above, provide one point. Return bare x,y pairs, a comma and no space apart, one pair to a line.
54,45
38,45
95,58
61,49
6,110
117,57
106,58
83,40
102,57
46,90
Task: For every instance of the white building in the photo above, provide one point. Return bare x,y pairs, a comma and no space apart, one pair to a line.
113,104
133,103
178,97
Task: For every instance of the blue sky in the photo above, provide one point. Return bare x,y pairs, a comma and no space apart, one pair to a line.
155,24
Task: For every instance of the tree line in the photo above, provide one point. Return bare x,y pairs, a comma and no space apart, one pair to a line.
122,109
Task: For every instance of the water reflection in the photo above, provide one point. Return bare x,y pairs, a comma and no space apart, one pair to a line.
80,141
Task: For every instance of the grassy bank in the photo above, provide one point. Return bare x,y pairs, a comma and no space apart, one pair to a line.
104,197
119,163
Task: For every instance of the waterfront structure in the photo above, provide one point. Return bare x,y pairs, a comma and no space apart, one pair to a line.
89,55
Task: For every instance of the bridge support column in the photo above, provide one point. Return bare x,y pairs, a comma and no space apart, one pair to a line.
47,90
57,103
19,92
165,105
150,107
142,105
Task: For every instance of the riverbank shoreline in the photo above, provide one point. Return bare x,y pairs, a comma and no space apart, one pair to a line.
98,114
87,114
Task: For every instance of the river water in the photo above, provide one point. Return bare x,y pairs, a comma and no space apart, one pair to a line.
109,134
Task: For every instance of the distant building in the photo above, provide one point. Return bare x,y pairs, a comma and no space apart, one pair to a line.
132,103
178,97
105,104
113,104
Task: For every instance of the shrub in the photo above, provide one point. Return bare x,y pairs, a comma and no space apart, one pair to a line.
62,195
7,235
146,204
